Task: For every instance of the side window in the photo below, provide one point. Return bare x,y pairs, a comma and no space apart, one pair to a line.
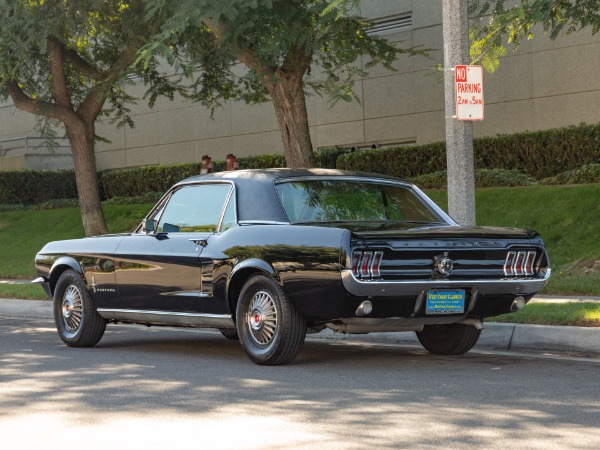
194,208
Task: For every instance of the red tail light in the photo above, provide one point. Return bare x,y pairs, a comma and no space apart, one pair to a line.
366,264
519,263
355,262
377,257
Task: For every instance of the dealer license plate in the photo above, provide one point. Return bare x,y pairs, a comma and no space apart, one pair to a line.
445,301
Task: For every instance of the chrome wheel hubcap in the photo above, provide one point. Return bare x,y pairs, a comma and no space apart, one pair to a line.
261,318
72,308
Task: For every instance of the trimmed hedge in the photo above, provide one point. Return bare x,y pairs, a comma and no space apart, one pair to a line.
137,182
483,178
29,187
402,162
539,154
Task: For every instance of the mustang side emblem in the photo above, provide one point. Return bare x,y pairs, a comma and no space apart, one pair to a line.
93,284
443,264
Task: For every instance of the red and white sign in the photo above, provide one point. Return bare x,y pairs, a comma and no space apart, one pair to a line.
469,92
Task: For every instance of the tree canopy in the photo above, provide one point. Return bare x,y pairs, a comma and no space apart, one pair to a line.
68,62
514,21
290,48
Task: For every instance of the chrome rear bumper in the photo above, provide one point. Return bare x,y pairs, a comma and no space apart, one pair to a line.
378,288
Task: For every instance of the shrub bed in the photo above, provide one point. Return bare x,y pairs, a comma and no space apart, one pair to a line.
523,156
30,187
483,178
539,154
137,182
589,173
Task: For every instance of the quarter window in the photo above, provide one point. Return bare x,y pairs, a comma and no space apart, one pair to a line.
229,216
194,208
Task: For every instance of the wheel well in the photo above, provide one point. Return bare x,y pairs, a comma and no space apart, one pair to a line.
237,283
55,275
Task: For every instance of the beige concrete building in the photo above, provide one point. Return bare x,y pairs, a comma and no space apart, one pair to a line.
546,84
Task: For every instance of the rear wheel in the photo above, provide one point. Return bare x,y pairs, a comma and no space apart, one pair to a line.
451,339
270,329
77,321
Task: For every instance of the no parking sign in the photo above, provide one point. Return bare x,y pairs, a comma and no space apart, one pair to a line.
469,92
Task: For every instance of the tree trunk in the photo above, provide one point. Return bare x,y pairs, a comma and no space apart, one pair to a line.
82,137
287,94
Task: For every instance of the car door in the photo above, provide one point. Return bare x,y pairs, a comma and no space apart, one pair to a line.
162,270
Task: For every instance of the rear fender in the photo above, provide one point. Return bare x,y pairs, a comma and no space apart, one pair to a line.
242,272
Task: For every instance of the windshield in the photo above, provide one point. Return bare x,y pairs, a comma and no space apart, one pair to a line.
325,201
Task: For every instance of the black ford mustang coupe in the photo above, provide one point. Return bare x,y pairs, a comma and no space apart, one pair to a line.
266,256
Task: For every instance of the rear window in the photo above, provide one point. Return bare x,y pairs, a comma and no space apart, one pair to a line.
352,201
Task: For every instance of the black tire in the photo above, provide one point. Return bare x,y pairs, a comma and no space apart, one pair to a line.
77,321
230,333
453,339
270,329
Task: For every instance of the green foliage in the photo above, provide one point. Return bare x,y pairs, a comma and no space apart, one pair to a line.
539,154
158,179
261,161
326,158
277,41
97,41
273,37
588,173
584,314
134,182
35,186
510,160
23,291
483,178
402,162
503,18
146,198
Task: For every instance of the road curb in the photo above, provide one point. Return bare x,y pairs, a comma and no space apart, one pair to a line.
500,336
35,309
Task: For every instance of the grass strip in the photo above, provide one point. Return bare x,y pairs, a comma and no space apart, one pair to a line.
22,291
579,314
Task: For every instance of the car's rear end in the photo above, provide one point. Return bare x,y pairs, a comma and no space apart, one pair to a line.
441,274
409,266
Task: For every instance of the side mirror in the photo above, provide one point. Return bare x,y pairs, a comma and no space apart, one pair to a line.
149,225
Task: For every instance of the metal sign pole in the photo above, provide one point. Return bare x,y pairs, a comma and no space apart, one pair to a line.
459,134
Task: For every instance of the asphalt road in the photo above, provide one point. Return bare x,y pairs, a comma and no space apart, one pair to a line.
170,389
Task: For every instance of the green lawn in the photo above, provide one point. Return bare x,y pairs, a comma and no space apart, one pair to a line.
575,314
25,291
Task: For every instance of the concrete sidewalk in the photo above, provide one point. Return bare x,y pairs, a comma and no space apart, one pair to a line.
500,336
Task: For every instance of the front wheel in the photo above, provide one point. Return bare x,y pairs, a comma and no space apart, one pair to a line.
452,339
77,321
270,329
